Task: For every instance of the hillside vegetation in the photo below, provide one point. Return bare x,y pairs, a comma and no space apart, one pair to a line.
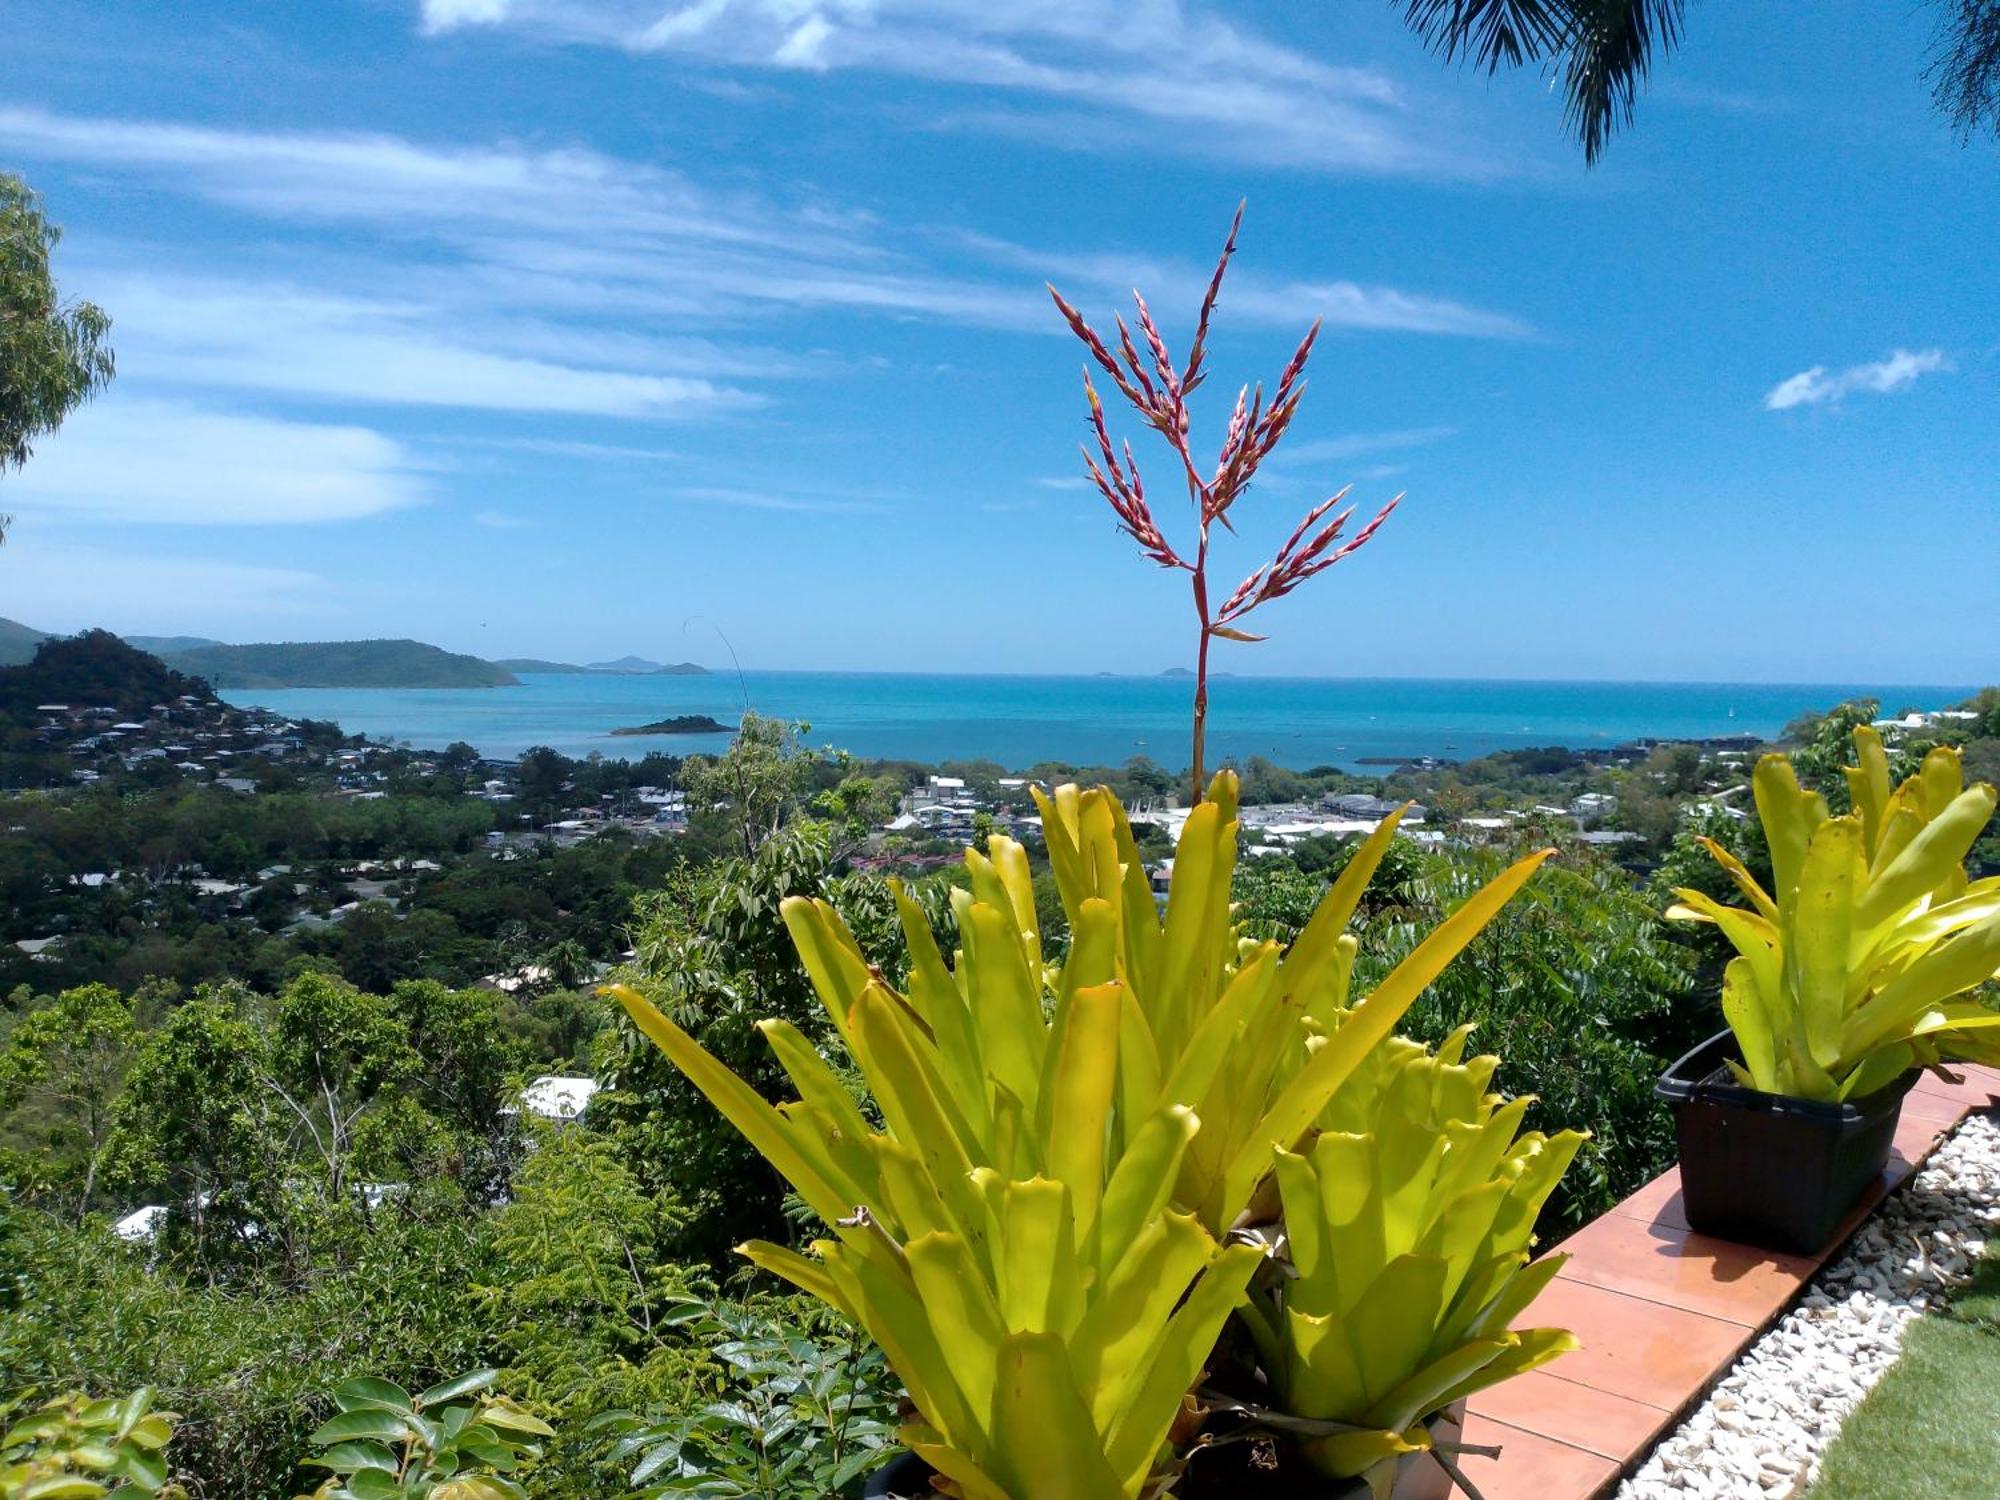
90,670
371,664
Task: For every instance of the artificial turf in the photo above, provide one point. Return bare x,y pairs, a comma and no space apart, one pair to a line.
1930,1430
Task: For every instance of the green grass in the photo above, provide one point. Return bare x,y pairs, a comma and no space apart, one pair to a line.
1931,1429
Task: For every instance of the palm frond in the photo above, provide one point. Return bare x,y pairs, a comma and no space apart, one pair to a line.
1491,33
1609,52
1965,65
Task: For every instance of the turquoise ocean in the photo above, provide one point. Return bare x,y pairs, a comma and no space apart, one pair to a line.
1022,720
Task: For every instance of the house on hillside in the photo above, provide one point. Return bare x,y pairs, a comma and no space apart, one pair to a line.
558,1098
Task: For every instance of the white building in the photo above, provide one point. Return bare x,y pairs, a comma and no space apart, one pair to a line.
558,1098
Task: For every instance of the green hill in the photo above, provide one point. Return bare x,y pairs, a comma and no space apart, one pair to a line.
92,669
18,642
369,664
171,645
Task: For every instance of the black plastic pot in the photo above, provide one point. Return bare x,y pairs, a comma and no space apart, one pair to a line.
1770,1171
1418,1477
904,1478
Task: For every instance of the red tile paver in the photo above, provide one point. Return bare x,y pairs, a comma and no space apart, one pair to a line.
1582,1416
1661,1263
1644,1351
1532,1467
1658,1202
1934,1109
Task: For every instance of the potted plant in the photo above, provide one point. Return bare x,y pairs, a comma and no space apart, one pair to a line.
1845,985
1039,1233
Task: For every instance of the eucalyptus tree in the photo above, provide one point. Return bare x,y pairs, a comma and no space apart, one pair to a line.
53,354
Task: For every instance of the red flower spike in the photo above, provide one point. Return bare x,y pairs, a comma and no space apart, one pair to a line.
1159,396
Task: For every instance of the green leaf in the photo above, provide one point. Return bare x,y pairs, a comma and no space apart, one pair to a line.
462,1385
363,1422
355,1454
505,1414
373,1484
147,1470
371,1391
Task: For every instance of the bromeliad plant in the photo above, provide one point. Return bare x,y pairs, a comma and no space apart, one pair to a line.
1408,1224
1158,390
1039,1234
455,1441
1849,973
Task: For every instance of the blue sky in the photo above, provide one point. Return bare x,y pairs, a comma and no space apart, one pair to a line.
568,327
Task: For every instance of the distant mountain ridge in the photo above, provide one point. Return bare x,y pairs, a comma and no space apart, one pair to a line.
625,666
638,665
338,664
397,663
18,642
170,645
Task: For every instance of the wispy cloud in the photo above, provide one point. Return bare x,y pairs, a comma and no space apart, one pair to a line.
1253,296
766,499
567,236
130,460
1819,386
276,337
541,278
1171,75
499,520
1360,444
567,448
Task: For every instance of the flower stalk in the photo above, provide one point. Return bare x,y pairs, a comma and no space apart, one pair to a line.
1158,390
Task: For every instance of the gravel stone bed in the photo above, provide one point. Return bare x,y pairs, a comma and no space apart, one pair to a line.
1763,1429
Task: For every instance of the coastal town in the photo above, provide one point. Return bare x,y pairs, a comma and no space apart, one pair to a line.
515,811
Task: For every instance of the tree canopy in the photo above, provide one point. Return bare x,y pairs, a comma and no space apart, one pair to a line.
53,354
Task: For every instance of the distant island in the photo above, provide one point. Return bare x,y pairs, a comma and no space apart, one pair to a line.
1188,672
338,664
680,724
625,666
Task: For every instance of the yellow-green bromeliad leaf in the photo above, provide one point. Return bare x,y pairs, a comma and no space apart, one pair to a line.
1844,974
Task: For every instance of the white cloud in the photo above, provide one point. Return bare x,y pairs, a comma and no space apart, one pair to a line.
1818,386
449,15
1356,444
499,520
137,460
1174,75
59,586
273,337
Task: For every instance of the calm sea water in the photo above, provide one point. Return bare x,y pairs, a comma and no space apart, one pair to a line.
1018,721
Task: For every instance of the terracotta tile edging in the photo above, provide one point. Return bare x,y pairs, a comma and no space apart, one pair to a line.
1663,1314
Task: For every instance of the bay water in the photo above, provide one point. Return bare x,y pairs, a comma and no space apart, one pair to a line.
1020,721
